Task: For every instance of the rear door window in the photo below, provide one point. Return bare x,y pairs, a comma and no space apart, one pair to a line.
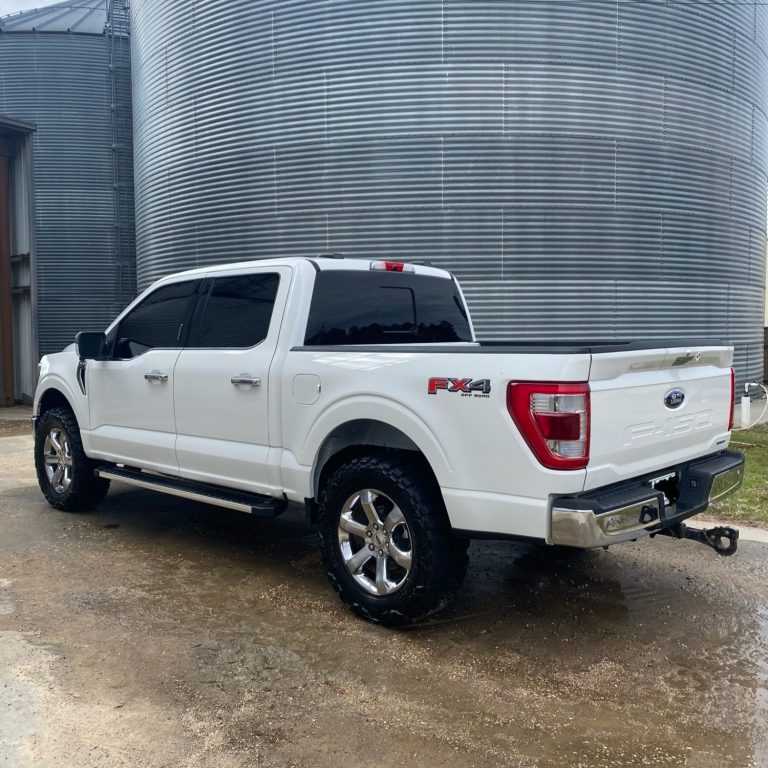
235,312
360,307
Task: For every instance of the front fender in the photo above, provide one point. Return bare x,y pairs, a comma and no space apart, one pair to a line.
77,401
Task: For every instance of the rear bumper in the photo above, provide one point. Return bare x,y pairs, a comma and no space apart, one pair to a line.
633,509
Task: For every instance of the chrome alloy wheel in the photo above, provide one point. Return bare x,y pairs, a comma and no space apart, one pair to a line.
57,455
375,542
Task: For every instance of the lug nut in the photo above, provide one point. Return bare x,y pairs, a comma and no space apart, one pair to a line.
368,534
380,553
375,527
370,546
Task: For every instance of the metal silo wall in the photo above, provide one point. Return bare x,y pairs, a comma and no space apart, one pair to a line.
587,169
61,83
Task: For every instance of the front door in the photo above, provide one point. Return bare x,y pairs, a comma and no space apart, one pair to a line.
131,395
222,383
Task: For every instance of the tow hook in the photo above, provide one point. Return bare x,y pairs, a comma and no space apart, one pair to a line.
723,539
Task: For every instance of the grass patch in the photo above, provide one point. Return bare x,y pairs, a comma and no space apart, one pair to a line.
750,503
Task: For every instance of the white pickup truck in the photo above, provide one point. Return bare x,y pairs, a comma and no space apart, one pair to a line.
357,389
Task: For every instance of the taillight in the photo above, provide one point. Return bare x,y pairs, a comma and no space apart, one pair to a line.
554,421
733,399
392,266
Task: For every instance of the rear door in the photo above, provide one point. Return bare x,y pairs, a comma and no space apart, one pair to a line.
651,409
222,386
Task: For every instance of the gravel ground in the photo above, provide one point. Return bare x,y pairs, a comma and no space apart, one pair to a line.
160,632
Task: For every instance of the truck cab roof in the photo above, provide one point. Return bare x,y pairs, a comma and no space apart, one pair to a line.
319,263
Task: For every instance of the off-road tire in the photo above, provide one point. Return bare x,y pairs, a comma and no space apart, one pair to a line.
85,490
439,559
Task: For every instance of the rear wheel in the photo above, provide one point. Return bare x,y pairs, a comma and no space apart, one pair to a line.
65,474
386,541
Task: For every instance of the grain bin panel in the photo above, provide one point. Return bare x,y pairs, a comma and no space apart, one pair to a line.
56,75
587,168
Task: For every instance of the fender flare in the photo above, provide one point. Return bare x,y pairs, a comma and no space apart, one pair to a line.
57,383
388,411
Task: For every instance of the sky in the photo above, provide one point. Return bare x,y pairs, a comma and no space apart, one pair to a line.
11,6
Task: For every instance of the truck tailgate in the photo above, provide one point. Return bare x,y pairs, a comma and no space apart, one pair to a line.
655,408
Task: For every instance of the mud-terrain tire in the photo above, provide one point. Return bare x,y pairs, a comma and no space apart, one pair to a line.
386,507
64,472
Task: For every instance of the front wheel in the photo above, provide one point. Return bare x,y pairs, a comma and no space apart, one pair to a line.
65,474
386,541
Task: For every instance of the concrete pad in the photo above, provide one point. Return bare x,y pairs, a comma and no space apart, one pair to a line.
746,532
16,413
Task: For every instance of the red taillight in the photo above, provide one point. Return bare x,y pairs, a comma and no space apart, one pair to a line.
554,421
559,426
392,266
733,399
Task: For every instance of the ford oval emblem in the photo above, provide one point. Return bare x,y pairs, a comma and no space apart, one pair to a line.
674,398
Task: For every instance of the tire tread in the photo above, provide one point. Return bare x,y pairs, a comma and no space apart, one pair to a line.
442,557
86,490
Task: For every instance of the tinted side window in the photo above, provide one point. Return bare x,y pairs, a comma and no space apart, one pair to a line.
385,308
236,312
157,322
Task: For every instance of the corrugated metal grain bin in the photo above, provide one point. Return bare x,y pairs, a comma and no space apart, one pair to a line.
588,169
67,72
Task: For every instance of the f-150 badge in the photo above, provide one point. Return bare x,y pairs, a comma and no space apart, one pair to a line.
466,387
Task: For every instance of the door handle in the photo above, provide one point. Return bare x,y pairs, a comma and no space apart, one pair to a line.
246,378
156,376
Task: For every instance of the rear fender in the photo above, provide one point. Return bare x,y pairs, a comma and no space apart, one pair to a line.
389,412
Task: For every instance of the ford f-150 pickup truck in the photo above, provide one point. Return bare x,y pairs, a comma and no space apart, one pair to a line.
357,389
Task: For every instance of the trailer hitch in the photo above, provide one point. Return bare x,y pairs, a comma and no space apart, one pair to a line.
723,539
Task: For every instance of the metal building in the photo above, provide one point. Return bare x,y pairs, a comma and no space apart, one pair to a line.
65,110
588,169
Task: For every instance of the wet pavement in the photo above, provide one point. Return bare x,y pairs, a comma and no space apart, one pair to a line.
160,632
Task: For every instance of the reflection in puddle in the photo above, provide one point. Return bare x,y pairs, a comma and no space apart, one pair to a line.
649,654
761,691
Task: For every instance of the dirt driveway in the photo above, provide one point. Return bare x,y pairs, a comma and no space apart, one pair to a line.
160,632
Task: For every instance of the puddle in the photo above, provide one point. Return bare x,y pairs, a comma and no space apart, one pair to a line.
652,654
760,658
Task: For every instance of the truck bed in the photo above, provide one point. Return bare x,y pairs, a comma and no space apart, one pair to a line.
521,347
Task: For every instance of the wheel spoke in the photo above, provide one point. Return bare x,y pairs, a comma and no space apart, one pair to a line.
384,534
54,438
352,526
403,559
382,585
394,518
51,460
57,476
366,500
358,560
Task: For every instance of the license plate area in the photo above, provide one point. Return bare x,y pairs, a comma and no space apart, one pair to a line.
669,486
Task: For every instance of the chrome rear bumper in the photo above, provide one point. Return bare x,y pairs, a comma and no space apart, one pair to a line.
633,509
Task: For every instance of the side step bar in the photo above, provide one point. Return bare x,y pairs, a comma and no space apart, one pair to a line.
252,503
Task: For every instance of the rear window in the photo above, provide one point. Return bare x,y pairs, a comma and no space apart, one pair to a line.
385,308
236,313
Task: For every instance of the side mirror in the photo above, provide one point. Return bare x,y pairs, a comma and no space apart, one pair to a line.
90,344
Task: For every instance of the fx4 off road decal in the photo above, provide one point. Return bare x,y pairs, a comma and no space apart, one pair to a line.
467,387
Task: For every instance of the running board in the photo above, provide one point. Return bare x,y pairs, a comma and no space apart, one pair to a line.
242,501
